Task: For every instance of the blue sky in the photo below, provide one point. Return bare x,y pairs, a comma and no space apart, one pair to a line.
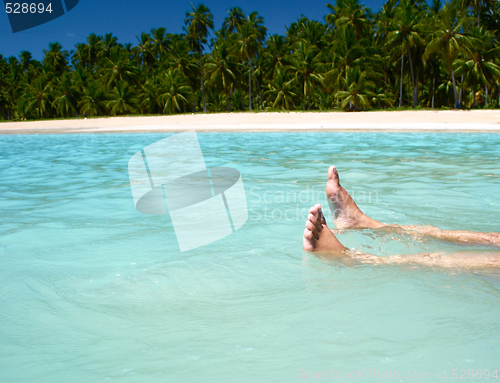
126,19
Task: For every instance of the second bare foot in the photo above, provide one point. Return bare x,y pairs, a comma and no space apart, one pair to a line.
317,237
345,213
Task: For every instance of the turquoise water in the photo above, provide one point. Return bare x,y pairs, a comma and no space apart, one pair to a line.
92,290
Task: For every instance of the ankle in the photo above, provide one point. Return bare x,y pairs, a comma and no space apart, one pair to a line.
370,223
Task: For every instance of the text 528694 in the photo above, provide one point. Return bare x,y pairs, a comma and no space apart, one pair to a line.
28,8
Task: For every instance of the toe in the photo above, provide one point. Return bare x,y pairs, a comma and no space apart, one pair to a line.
313,210
312,228
315,216
333,173
308,235
320,218
316,211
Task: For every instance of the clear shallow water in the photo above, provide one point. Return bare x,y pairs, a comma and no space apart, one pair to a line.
92,290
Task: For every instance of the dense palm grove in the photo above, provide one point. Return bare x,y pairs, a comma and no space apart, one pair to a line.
409,54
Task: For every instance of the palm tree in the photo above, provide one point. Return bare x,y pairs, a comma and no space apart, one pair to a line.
449,40
235,20
92,48
145,50
478,66
108,42
160,42
4,95
432,70
37,96
176,95
220,70
281,91
309,31
384,26
198,23
56,58
22,112
66,96
26,60
180,58
122,99
404,36
344,51
150,96
251,35
276,55
81,77
93,102
492,18
79,58
476,7
351,14
358,89
118,67
12,84
304,62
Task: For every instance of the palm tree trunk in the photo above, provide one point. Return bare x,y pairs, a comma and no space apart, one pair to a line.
240,104
461,89
457,103
203,88
258,90
486,98
250,84
415,95
415,101
433,91
401,82
227,100
474,96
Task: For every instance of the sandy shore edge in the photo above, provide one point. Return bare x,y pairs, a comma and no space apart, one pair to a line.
404,121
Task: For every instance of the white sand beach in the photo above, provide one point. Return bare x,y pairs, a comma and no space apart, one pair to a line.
394,121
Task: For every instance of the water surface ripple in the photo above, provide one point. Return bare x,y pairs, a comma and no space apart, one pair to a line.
93,290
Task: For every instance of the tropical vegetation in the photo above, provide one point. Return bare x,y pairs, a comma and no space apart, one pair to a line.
407,55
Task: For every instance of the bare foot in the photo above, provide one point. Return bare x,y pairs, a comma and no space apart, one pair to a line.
317,237
345,213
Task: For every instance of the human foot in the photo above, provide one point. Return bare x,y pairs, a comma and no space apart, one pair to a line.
317,237
345,213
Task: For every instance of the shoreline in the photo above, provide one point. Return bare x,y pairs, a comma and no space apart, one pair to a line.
475,121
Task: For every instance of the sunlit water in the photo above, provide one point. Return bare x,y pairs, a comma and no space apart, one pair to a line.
92,290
